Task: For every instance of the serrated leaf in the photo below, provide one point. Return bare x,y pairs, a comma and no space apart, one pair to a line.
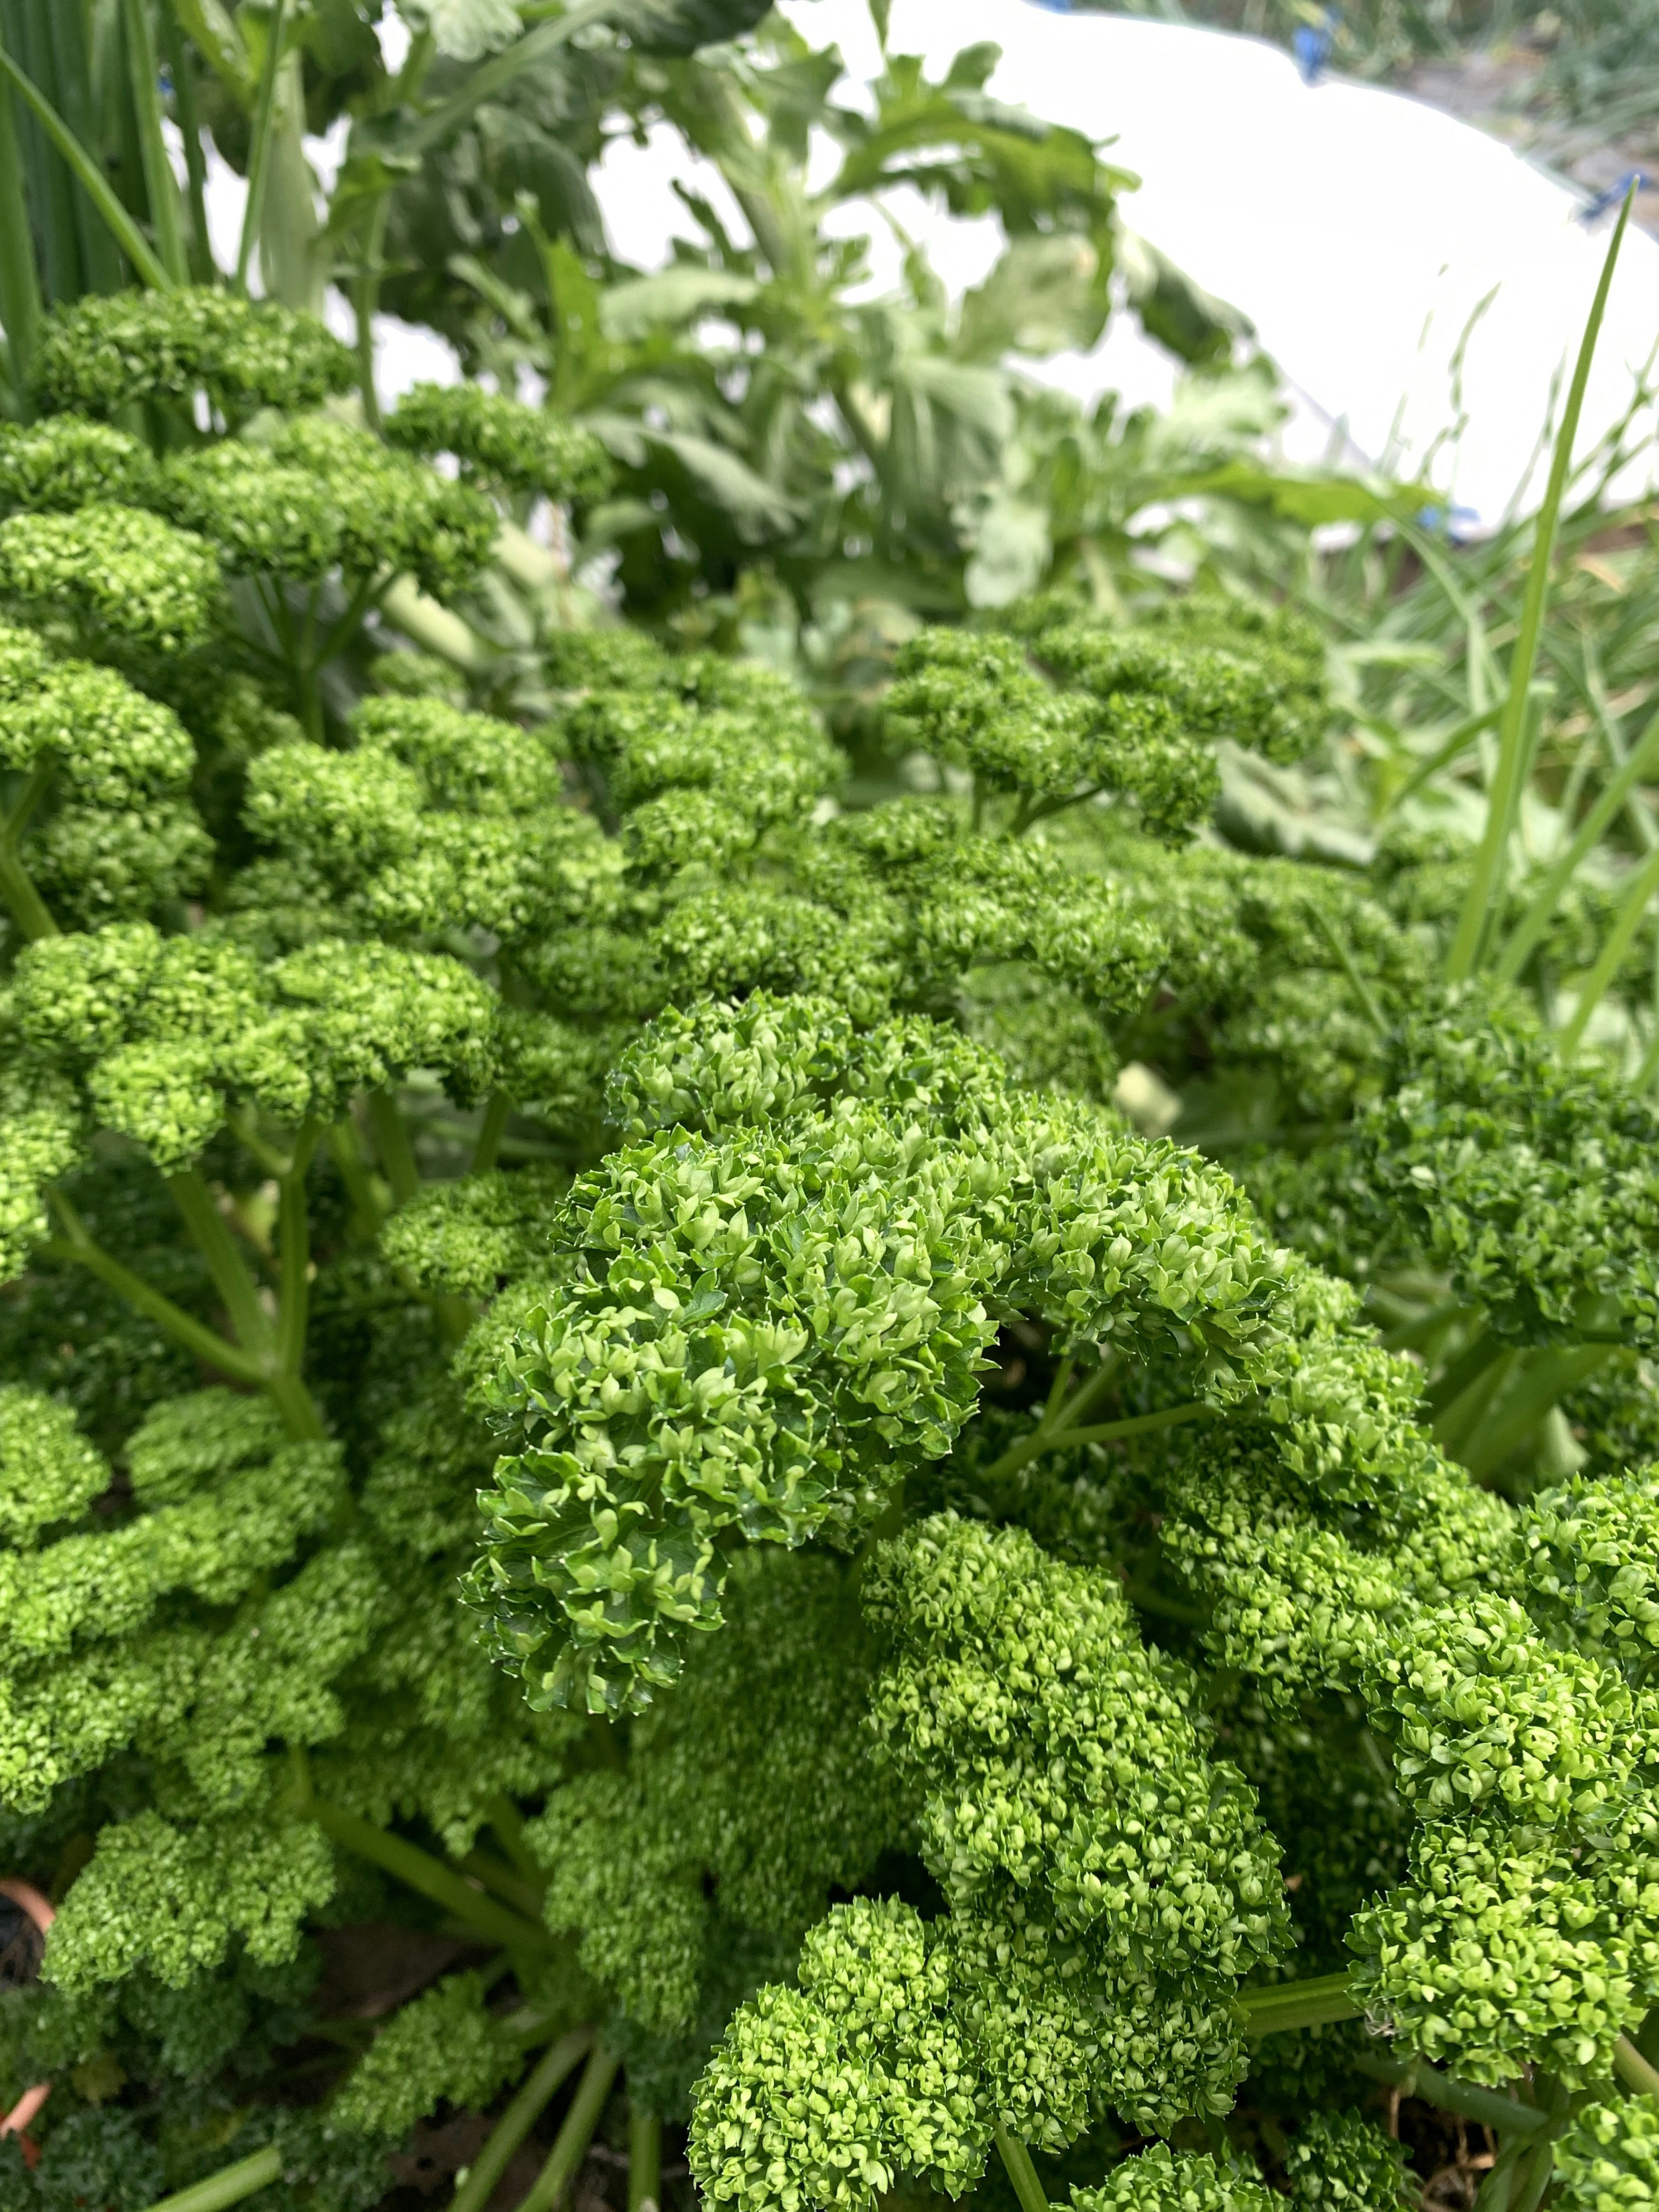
672,296
680,27
467,30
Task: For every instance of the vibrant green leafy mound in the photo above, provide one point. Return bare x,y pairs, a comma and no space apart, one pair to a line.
600,1344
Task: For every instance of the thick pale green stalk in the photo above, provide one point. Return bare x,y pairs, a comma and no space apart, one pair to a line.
431,1878
1632,908
365,298
228,2187
1488,2106
1503,800
507,1821
200,1341
477,2184
1633,2070
19,281
1284,2005
259,164
231,1277
490,1136
1536,919
1017,2164
1534,2179
69,86
1473,1359
644,2158
1543,1384
293,1253
571,2144
1062,1436
434,628
1459,1420
24,903
524,1897
391,1143
218,41
89,176
160,187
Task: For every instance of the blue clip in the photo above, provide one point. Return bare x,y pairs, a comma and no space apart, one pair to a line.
1311,44
1446,519
1612,195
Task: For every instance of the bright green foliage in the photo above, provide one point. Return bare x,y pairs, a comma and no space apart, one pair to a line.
771,1278
388,513
976,1614
111,568
171,1899
1160,2180
753,1782
470,1237
124,837
1595,1566
1531,1184
97,356
825,2094
437,820
184,1444
446,2044
1139,717
1608,2159
66,462
1342,2159
1066,1800
974,699
501,441
48,1472
98,2158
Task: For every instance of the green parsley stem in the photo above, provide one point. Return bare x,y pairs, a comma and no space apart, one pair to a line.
1017,2162
561,2059
571,2144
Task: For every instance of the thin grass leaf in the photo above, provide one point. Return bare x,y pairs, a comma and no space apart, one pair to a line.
1539,912
20,282
1632,908
161,187
1503,800
259,165
90,178
1444,755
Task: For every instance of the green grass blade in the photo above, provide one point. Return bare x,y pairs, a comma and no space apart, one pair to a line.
1631,909
259,165
1444,755
181,62
161,187
20,282
1537,915
1505,799
89,175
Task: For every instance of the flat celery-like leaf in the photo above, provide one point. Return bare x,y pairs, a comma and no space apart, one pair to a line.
680,27
632,311
660,27
1044,296
466,30
1311,496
